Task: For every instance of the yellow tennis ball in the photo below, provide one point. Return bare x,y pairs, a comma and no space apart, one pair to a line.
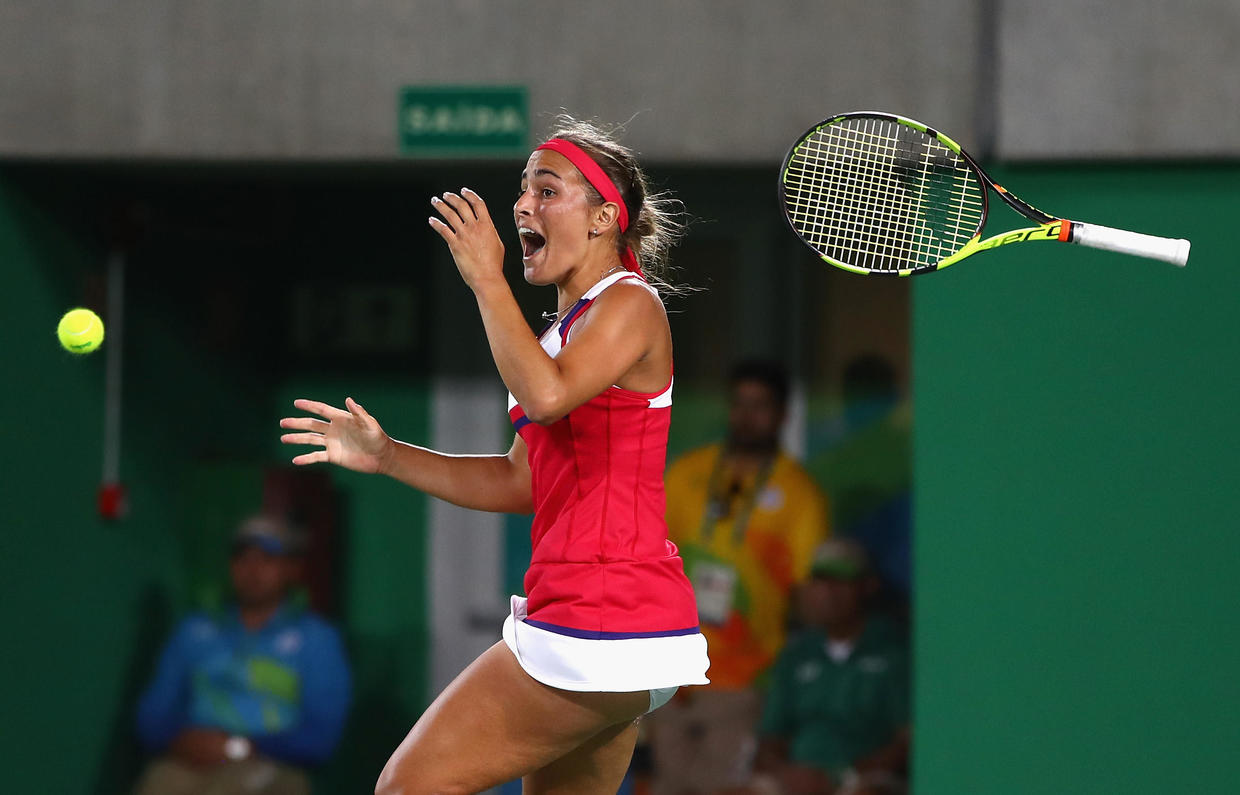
80,331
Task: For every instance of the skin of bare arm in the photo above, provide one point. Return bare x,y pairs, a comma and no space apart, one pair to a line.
353,439
611,344
499,483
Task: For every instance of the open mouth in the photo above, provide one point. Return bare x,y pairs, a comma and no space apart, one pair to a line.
531,242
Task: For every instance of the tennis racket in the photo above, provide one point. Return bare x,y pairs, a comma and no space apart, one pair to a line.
878,193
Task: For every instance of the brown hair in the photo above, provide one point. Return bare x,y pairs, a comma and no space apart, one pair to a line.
655,223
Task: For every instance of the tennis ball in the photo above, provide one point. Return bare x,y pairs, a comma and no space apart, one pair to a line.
80,331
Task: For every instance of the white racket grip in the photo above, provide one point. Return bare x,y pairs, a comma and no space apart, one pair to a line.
1173,250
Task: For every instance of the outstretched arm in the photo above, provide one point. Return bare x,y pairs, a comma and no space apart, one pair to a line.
353,439
499,483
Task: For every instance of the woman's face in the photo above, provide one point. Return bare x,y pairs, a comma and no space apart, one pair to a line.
553,216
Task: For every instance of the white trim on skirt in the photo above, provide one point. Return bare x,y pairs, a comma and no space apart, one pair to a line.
609,666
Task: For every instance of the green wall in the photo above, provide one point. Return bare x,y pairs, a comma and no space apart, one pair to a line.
86,604
83,600
1075,475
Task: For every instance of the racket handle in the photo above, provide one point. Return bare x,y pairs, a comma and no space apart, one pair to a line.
1173,250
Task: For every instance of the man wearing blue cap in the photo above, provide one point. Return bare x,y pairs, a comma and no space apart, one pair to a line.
243,700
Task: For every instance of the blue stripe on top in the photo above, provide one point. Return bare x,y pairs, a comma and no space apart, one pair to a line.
581,304
520,422
587,634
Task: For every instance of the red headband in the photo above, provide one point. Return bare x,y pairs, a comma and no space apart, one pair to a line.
602,183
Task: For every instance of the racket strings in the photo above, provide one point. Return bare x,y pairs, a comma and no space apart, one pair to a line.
900,229
869,209
881,196
877,219
884,171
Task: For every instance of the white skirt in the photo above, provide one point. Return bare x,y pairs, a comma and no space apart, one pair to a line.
609,666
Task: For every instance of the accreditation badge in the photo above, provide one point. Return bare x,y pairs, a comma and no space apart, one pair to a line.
714,584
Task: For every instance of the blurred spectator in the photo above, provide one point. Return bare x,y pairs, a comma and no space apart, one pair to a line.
242,701
864,459
747,518
836,720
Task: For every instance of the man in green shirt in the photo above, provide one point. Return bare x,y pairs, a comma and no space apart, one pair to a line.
836,719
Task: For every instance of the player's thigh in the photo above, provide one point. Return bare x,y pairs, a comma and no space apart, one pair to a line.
596,766
495,723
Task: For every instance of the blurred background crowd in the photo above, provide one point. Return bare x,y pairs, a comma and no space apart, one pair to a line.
241,189
252,690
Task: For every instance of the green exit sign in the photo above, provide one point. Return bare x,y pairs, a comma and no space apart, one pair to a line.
463,121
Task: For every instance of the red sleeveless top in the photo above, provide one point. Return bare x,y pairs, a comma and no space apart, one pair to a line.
602,566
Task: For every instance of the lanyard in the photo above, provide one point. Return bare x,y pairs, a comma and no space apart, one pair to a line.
717,503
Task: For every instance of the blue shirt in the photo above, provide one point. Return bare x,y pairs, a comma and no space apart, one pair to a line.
286,686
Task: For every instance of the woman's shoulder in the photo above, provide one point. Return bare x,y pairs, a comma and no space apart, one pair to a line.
631,291
624,306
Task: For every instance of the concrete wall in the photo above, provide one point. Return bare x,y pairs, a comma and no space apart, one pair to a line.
712,80
1104,78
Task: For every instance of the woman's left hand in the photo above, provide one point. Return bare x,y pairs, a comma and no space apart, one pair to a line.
471,237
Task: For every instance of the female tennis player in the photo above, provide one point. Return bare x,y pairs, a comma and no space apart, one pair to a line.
609,628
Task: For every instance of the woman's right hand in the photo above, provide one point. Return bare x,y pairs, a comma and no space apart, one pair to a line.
351,439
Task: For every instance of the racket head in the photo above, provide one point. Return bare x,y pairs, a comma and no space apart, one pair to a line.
873,192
